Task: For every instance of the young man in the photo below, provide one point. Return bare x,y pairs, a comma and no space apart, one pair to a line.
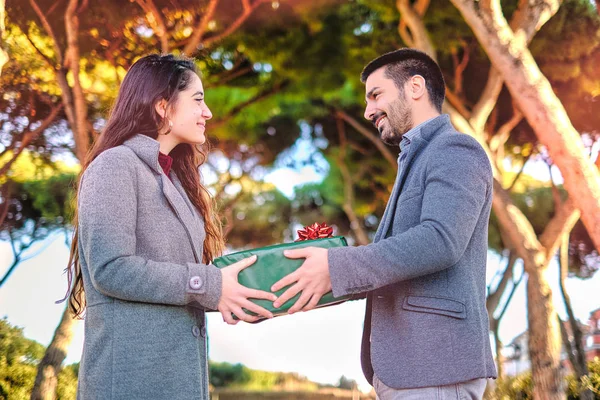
426,325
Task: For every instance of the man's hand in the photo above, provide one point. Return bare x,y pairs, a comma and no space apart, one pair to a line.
312,279
235,296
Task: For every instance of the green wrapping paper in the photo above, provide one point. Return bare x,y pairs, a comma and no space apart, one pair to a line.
271,265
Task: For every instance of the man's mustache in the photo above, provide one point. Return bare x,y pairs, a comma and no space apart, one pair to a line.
376,117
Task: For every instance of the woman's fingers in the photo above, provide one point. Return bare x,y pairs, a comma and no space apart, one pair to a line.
301,302
228,317
259,294
243,316
245,263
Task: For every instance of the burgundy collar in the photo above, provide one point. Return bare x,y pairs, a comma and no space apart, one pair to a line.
165,162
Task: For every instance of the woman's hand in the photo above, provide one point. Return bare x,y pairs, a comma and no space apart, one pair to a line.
235,296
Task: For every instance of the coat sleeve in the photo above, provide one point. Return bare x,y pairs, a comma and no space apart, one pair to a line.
107,213
458,184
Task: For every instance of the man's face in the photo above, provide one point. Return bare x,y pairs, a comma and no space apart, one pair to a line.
387,107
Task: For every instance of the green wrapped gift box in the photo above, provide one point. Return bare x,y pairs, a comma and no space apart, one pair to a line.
271,265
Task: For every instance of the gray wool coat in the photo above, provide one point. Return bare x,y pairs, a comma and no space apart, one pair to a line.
426,323
140,246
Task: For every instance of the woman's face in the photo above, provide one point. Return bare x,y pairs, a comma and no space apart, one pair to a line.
188,116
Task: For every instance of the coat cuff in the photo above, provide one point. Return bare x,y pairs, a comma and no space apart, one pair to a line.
345,278
204,285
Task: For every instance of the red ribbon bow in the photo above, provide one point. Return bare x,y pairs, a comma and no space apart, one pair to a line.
315,231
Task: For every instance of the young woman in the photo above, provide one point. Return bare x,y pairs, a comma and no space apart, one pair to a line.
145,234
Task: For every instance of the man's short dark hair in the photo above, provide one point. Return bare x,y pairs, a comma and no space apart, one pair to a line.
402,64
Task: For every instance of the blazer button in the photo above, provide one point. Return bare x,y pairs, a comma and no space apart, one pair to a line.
196,282
195,331
203,331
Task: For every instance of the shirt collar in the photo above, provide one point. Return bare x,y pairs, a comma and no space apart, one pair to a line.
413,133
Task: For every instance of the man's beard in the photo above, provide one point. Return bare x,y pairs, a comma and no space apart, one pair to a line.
399,121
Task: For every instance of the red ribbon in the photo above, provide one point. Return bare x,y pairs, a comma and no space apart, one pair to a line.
315,231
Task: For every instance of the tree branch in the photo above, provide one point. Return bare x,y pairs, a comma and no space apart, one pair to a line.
3,53
49,30
525,22
260,96
29,136
510,187
192,45
157,22
420,38
387,154
348,206
80,130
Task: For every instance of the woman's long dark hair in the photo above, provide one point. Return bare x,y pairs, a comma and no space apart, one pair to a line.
149,80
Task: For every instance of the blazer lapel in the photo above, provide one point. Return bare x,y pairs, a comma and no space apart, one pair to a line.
415,148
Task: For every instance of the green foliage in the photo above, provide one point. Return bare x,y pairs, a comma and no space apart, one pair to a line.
259,217
237,376
521,386
590,382
40,199
19,357
513,388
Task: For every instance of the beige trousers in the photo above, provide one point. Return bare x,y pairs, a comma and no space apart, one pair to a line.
470,390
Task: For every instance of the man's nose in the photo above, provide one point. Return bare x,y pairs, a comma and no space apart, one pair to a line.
369,112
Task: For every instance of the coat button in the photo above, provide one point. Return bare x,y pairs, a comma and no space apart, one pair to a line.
196,282
203,331
195,331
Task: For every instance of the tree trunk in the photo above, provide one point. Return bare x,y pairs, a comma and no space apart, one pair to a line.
495,325
543,110
3,53
544,337
72,59
576,349
46,380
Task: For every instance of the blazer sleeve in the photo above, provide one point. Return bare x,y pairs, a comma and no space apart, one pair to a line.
107,240
458,184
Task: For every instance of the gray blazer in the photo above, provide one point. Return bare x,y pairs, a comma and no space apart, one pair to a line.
140,246
426,323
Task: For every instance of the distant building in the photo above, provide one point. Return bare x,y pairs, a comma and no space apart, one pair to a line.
516,354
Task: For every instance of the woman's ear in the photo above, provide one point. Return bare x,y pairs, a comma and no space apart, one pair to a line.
161,108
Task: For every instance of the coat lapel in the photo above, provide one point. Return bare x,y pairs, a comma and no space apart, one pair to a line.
147,150
174,193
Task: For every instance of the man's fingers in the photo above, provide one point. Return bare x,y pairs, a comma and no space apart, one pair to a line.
259,294
288,294
285,281
245,263
302,300
297,253
250,306
312,303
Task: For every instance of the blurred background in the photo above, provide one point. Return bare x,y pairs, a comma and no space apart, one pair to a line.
290,147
